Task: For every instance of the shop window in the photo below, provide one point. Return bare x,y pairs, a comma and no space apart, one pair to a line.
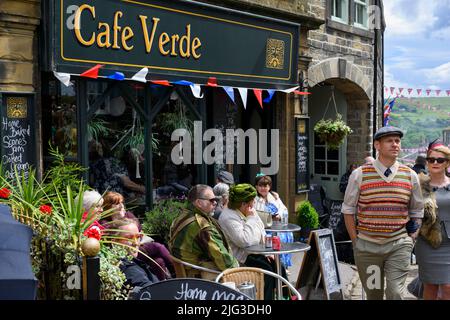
171,180
326,162
116,142
339,10
59,118
360,13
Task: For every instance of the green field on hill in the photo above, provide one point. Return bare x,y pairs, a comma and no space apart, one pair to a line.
423,119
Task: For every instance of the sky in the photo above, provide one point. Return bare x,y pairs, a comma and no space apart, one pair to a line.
417,44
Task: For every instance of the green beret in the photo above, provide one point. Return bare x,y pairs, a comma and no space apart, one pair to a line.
239,193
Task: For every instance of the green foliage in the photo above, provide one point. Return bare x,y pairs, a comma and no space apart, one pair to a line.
307,216
333,132
159,219
97,128
63,173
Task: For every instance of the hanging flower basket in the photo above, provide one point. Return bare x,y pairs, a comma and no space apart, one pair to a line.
333,132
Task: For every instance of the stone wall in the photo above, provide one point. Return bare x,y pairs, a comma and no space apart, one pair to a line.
18,45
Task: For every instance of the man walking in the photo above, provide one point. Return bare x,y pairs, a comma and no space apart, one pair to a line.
387,200
196,237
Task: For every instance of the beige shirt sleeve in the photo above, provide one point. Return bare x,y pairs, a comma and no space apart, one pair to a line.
416,201
351,197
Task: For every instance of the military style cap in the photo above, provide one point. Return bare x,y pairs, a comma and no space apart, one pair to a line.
388,131
225,177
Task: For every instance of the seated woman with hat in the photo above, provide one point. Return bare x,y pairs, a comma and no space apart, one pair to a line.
243,227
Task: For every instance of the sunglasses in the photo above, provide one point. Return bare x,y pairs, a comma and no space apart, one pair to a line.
213,200
438,160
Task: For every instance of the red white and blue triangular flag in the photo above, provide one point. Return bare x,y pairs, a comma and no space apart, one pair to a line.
92,72
161,82
230,93
243,92
302,93
140,75
289,90
269,98
258,94
438,92
409,91
428,92
448,93
392,90
212,82
419,92
400,90
183,83
117,76
63,77
196,90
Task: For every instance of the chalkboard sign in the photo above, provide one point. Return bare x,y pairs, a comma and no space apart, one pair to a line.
301,154
17,133
187,289
335,213
320,265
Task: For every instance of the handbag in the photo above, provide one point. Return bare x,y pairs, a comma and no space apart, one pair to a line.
266,218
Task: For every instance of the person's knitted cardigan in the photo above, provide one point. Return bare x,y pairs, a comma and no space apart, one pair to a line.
431,224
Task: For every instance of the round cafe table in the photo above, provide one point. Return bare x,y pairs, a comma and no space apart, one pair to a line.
285,248
278,227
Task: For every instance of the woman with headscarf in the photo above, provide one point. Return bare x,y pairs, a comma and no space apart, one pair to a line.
433,244
243,227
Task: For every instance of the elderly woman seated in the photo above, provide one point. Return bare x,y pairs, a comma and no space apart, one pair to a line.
243,227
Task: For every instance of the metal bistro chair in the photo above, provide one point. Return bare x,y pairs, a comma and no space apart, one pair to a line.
254,275
181,269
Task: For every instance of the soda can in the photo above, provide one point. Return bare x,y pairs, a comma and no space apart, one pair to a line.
276,243
268,241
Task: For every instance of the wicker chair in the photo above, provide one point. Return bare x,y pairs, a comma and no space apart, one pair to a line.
254,275
182,269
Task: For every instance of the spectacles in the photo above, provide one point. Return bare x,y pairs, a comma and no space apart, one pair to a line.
438,160
213,200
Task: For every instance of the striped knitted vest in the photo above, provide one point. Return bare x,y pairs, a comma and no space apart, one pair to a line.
383,206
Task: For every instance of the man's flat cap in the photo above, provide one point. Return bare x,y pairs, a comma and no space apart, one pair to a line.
225,177
388,131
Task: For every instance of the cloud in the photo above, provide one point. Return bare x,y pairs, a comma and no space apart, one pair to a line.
442,34
438,75
399,13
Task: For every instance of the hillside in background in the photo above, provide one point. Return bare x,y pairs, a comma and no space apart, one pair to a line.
423,119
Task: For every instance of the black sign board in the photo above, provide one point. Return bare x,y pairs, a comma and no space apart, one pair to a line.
335,213
187,289
320,265
17,147
175,40
301,154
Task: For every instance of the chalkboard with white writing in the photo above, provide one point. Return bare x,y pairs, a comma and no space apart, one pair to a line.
301,154
335,213
320,265
187,289
17,138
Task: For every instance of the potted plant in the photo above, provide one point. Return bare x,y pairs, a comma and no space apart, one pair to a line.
158,220
333,132
307,219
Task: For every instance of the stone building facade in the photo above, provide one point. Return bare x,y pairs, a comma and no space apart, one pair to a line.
331,55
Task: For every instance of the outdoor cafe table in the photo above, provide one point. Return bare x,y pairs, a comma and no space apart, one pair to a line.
285,248
279,227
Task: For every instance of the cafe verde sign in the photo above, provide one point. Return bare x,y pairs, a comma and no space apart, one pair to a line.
176,40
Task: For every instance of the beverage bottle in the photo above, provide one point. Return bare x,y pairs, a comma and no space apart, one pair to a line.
284,217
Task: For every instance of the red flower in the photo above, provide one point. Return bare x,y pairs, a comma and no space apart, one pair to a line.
46,209
5,193
93,232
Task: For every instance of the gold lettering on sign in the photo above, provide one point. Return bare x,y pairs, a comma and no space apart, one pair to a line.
275,54
16,107
78,27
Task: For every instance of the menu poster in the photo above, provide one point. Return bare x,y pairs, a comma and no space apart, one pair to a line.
17,138
301,154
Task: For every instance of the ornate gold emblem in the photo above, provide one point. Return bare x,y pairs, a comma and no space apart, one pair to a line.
275,54
16,107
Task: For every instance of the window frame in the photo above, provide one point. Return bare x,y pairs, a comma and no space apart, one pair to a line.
346,16
364,4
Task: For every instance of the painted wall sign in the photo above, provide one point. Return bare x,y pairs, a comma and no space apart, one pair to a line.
302,155
175,40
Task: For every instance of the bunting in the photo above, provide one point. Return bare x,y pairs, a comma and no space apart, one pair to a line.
92,72
258,94
63,77
269,98
243,92
430,92
230,93
140,75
